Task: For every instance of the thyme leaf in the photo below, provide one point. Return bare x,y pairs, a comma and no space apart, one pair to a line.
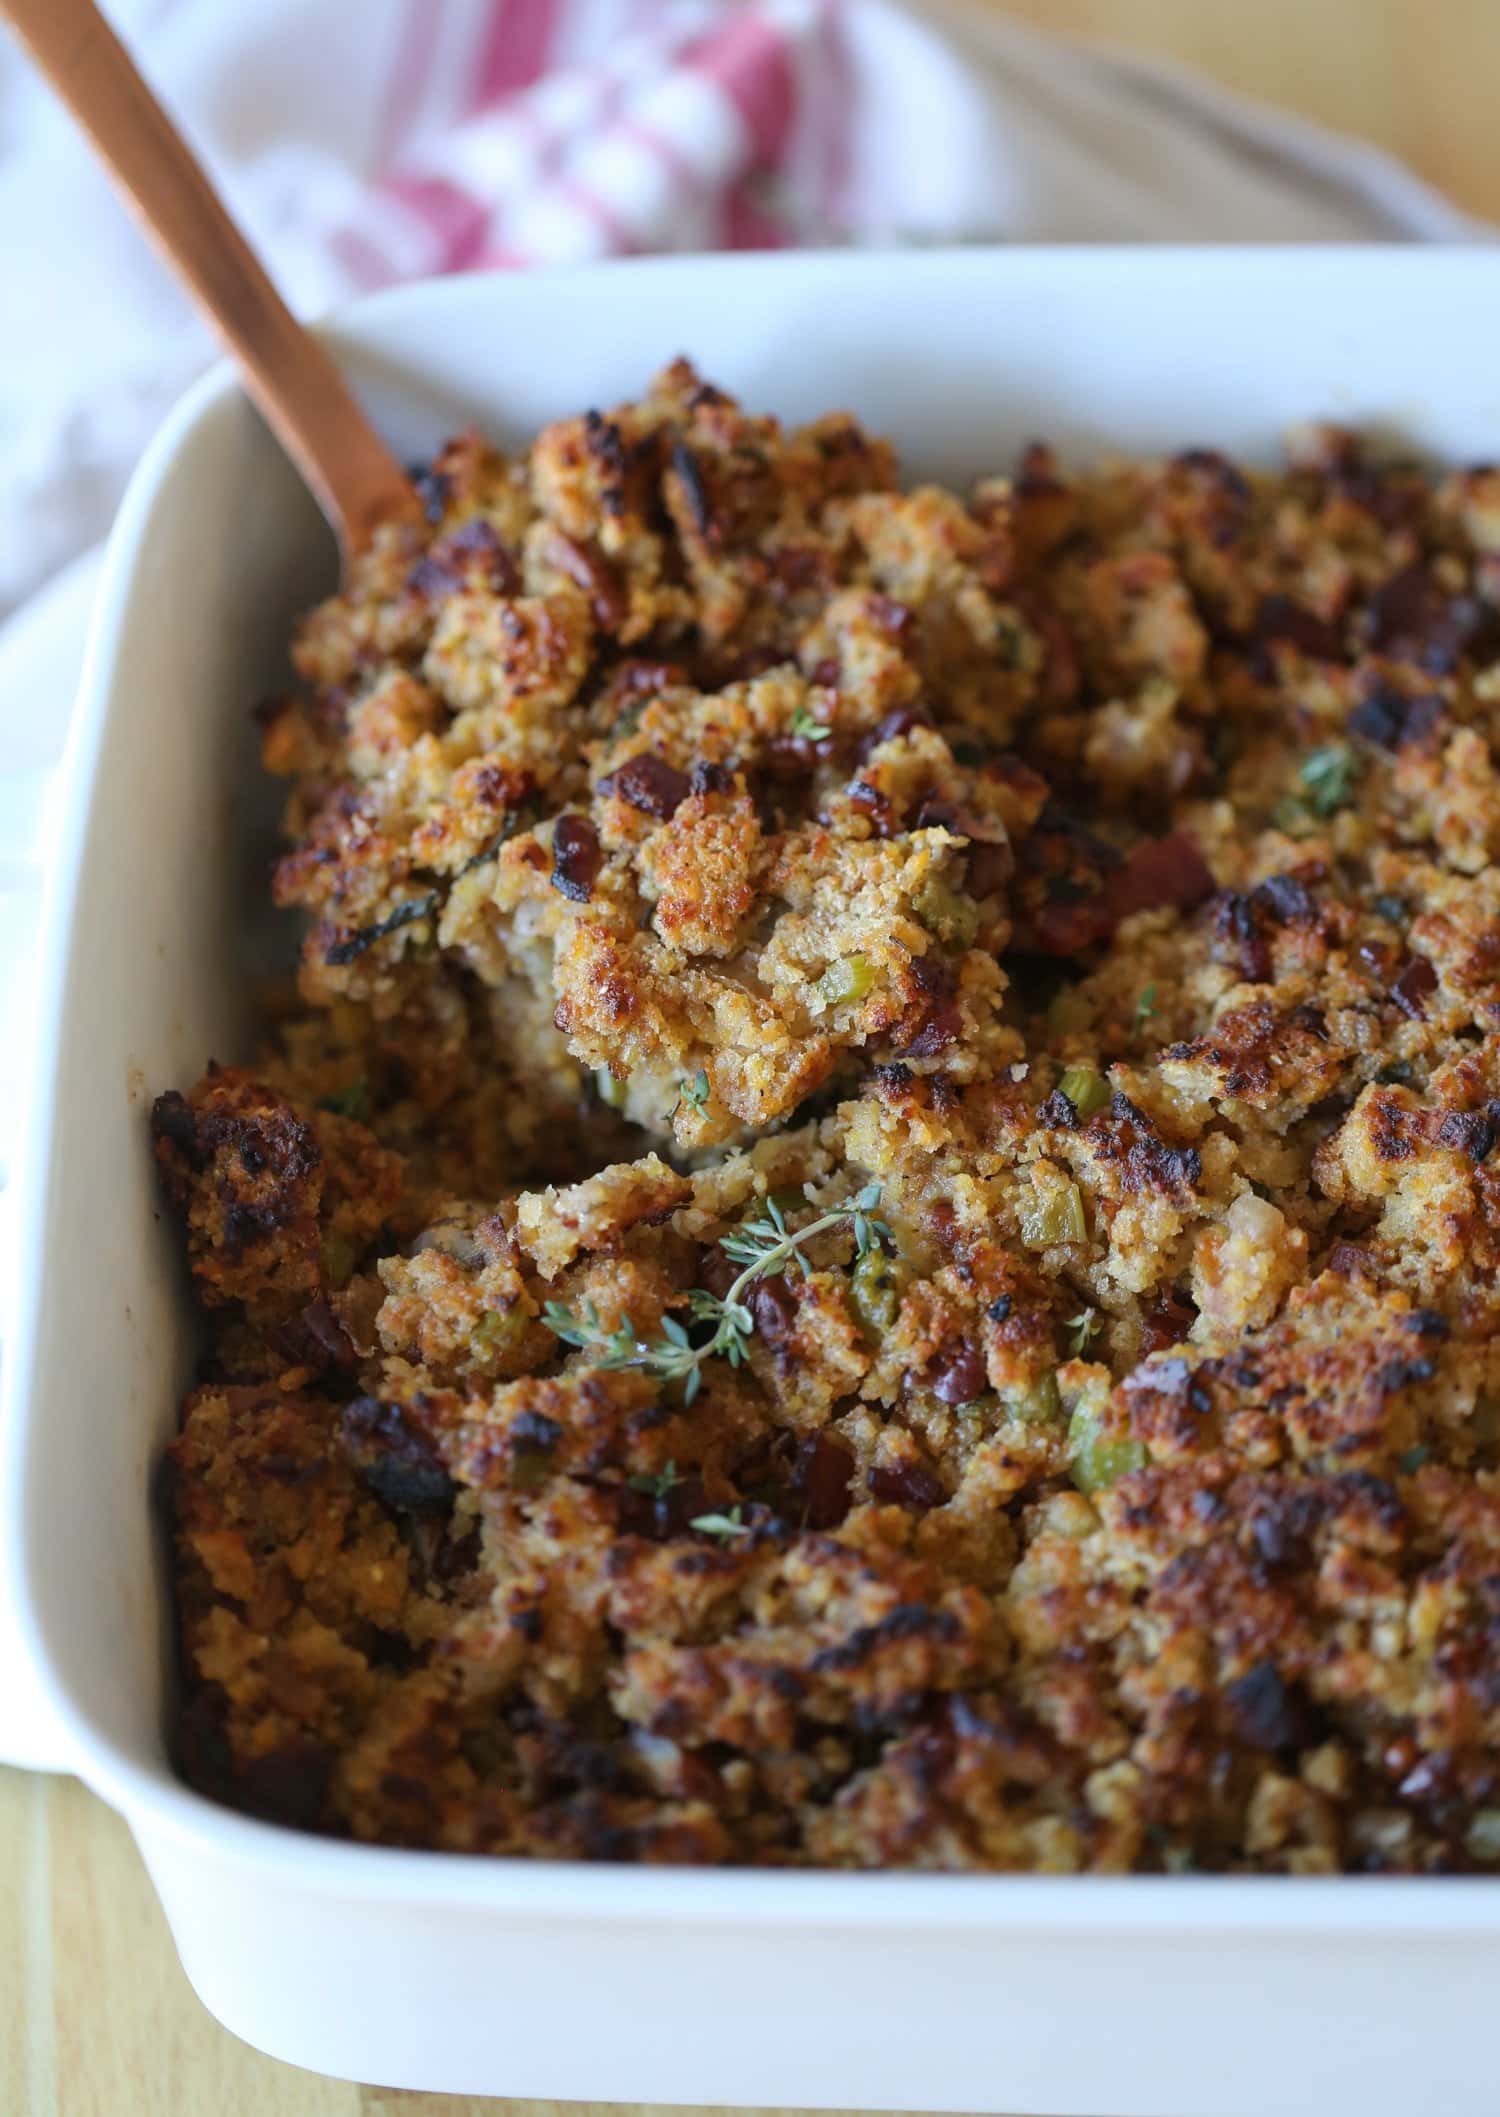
725,1525
1329,775
694,1092
806,724
656,1487
1083,1329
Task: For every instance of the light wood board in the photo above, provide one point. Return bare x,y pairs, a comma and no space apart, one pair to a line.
1415,76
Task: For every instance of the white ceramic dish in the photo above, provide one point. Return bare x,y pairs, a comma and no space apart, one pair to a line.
1167,1998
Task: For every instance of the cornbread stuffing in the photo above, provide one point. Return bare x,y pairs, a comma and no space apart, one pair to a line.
872,1240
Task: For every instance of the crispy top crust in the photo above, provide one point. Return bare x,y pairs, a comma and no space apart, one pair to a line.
695,827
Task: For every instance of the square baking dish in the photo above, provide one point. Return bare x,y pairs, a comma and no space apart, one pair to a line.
1147,1997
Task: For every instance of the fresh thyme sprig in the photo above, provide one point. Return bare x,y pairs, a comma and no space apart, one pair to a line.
762,1247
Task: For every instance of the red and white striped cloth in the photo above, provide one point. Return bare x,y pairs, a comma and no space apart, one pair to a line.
549,135
523,132
365,141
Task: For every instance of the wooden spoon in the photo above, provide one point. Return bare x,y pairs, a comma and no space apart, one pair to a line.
354,477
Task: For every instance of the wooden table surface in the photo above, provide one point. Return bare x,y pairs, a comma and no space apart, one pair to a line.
96,2018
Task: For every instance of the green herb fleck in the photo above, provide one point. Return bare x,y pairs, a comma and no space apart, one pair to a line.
725,1525
353,1101
694,1092
1145,1006
1395,1073
807,724
1329,775
1292,816
1414,1458
762,1248
658,1486
525,814
1083,1329
1391,907
407,914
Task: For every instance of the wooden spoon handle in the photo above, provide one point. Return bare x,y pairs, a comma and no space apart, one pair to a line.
355,478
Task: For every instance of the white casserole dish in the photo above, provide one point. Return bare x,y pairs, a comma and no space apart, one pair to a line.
1168,1998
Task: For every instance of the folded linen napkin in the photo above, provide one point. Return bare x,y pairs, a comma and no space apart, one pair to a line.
366,141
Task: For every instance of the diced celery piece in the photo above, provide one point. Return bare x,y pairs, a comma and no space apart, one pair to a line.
1086,1090
850,978
497,1331
1054,1216
946,912
875,1291
1097,1460
1040,1404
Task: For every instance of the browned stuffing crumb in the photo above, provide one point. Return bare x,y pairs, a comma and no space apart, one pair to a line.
873,1240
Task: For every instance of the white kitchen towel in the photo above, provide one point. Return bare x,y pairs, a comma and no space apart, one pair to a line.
366,141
